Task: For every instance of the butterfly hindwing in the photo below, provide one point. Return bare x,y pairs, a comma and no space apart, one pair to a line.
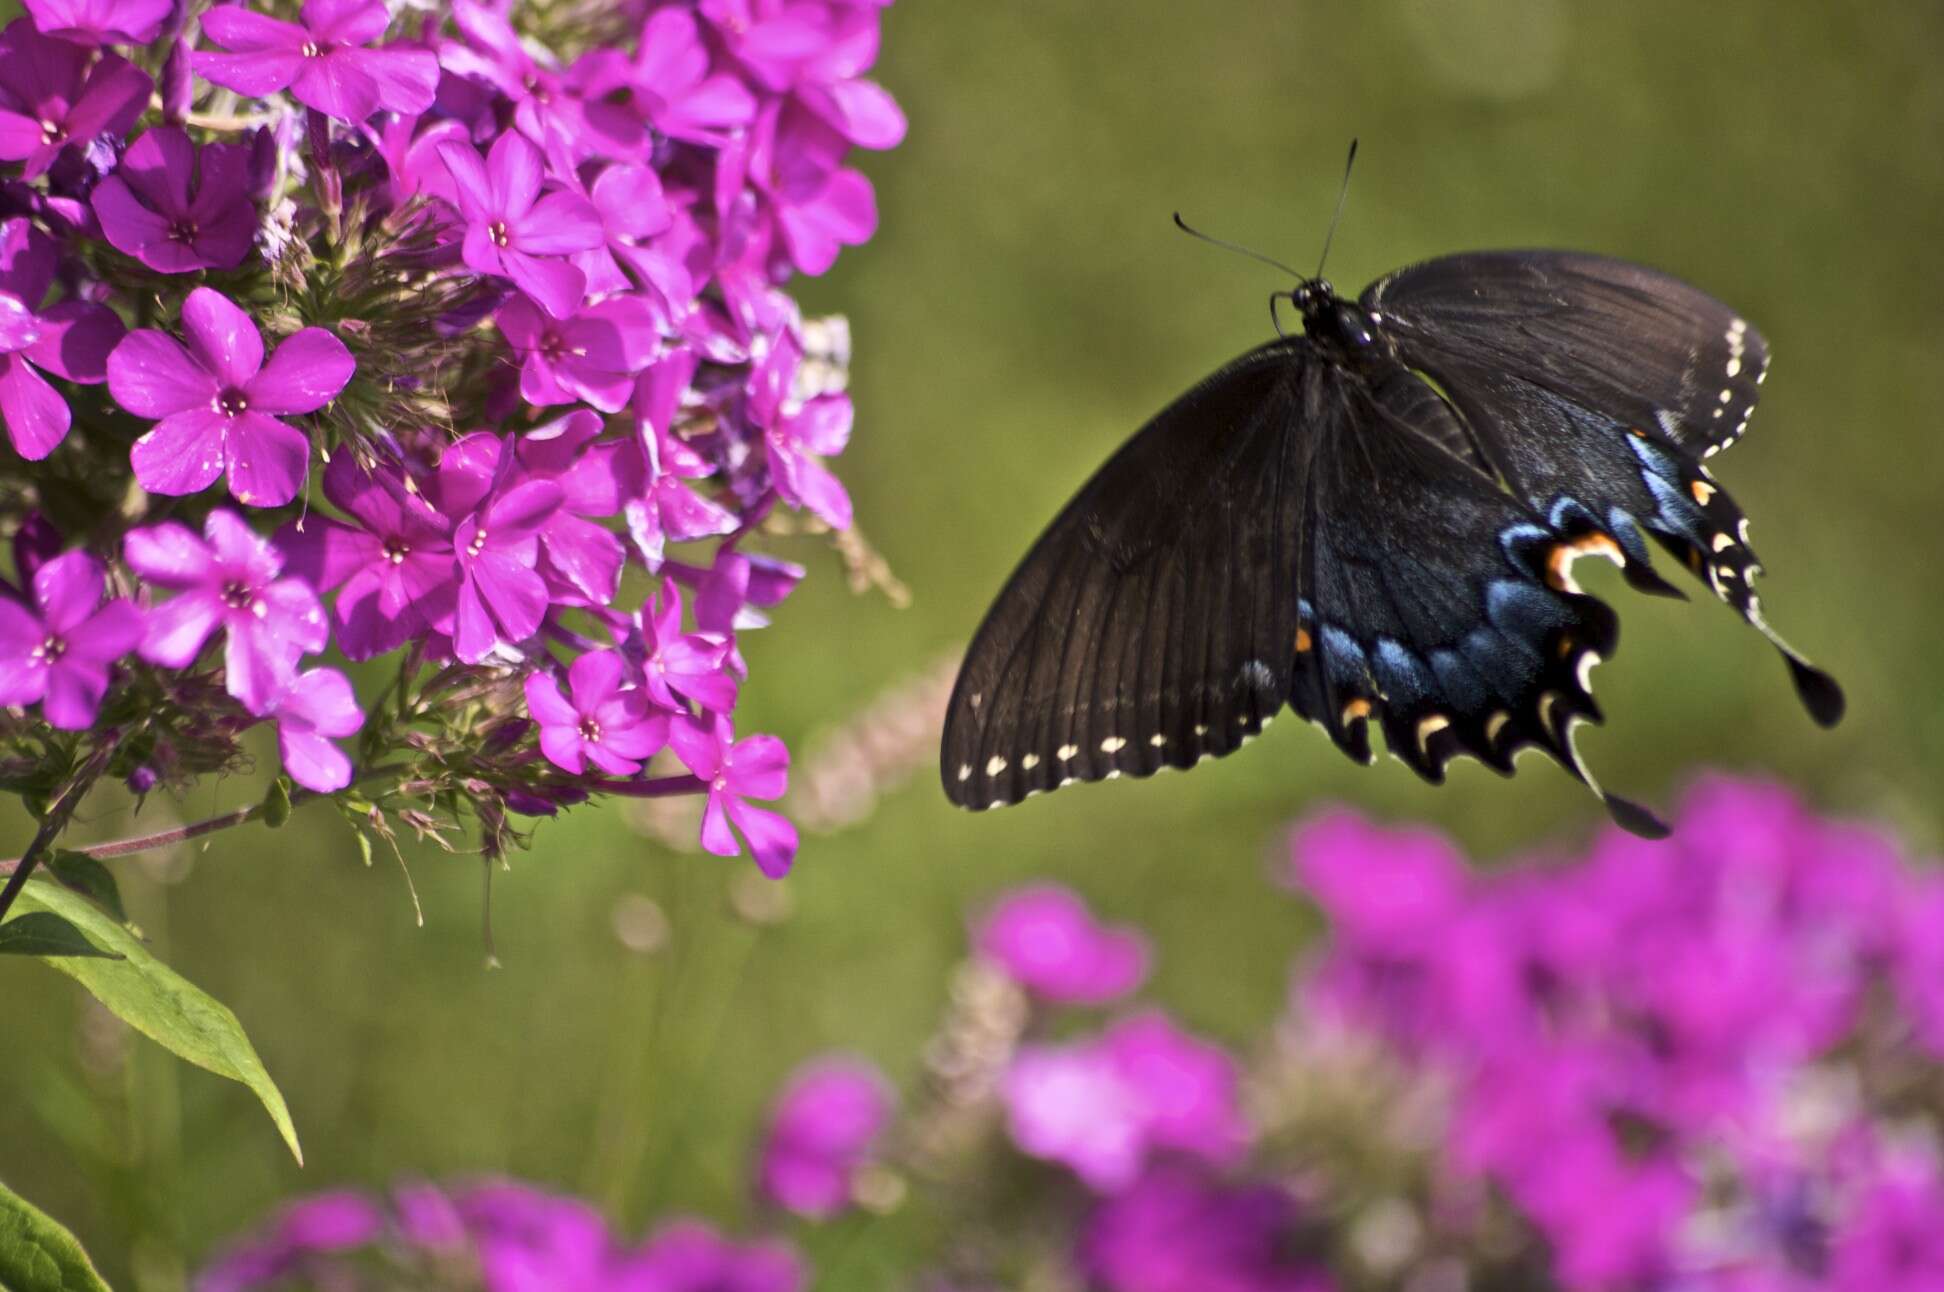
1580,408
1151,624
1427,605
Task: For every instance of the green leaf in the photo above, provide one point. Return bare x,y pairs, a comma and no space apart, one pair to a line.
43,933
88,877
160,1003
37,1254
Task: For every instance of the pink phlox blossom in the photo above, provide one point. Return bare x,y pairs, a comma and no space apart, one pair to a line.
677,89
797,432
71,339
314,708
790,163
678,667
226,578
177,207
497,512
53,94
580,559
101,22
590,357
514,232
688,1256
59,650
218,401
735,771
600,719
393,558
1045,939
1103,1106
648,469
821,1131
818,52
322,59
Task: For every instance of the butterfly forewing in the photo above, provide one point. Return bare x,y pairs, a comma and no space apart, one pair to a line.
1152,624
1641,346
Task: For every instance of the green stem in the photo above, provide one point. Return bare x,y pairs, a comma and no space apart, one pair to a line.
57,818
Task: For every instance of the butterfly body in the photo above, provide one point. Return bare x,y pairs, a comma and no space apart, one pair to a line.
1375,522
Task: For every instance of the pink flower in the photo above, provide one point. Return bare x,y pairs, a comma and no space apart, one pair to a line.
101,22
512,231
59,650
591,356
678,667
217,400
176,207
735,770
1103,1106
603,723
72,340
50,96
315,707
821,1131
227,579
1046,940
797,432
321,59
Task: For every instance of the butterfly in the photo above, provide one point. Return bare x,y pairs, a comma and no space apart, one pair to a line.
1376,521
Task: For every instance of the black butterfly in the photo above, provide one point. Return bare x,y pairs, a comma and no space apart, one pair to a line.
1377,521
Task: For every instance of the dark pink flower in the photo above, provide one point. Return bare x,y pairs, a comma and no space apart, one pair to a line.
633,210
218,401
646,471
101,22
821,1132
395,560
58,651
1046,940
590,357
815,204
71,340
675,88
315,707
1103,1106
176,207
603,722
797,432
580,559
678,667
688,1256
512,231
321,59
818,52
227,579
498,512
52,95
1177,1230
736,770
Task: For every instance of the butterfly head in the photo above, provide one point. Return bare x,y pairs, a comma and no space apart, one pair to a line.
1331,321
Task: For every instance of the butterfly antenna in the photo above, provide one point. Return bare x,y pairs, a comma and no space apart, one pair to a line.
1342,193
1193,232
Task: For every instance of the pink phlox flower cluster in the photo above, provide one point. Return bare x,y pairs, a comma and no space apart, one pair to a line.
1641,1034
624,218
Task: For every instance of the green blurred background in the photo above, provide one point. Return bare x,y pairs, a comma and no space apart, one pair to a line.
1024,307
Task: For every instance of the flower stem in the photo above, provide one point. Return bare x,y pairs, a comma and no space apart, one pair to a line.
656,787
57,818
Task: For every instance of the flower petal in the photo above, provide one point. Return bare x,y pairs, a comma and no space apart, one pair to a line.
222,336
74,691
306,373
169,555
174,632
182,453
772,838
151,374
76,339
559,224
37,417
67,589
546,704
557,285
267,460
